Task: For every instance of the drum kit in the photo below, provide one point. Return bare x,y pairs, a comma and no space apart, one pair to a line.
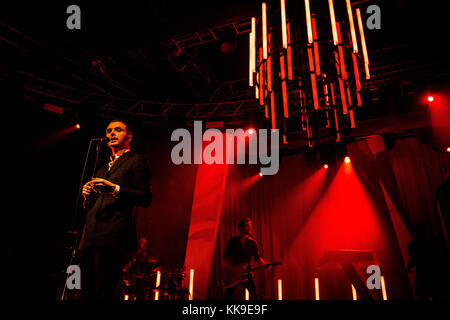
154,281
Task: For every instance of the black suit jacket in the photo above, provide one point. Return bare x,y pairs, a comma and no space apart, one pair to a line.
110,219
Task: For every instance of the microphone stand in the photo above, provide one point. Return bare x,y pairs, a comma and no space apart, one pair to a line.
77,203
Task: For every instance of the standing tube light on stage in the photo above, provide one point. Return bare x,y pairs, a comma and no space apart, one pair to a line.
316,288
383,288
191,284
308,22
158,282
355,297
280,289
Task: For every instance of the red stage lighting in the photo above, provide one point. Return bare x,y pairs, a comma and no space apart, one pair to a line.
347,159
260,174
448,149
251,131
325,166
430,98
77,126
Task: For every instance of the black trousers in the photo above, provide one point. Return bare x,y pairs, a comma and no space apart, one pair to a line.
249,285
100,272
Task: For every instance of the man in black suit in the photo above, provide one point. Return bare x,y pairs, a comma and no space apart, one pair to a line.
110,199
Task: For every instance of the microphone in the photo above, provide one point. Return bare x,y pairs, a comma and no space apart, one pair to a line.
101,140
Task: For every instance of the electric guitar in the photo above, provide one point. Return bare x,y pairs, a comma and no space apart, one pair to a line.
234,274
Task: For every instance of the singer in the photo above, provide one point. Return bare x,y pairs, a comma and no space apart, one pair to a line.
110,199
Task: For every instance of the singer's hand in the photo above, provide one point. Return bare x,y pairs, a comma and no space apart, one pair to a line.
102,186
88,190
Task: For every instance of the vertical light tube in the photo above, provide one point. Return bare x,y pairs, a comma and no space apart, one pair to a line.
313,78
352,119
308,22
363,43
257,87
316,47
261,77
191,284
272,108
349,96
336,122
289,53
341,83
284,87
269,63
247,294
280,288
352,26
283,24
282,68
253,50
355,297
341,53
357,80
250,62
314,89
316,288
383,288
333,99
264,29
325,91
333,22
158,282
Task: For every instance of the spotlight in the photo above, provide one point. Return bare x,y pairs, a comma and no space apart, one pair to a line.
260,174
347,159
430,98
448,149
77,126
251,131
325,166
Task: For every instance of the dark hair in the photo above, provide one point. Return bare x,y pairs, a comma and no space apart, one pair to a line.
127,125
241,223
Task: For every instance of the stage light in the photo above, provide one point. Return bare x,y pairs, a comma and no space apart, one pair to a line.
251,131
355,296
158,282
383,288
247,294
448,149
347,159
280,289
325,166
191,284
316,288
77,126
264,30
430,98
260,174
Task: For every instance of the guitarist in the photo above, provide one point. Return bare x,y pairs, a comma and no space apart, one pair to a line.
242,249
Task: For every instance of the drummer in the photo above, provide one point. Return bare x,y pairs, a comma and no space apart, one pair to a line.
142,265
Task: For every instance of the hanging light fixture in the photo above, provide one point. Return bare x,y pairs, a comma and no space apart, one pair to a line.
310,66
